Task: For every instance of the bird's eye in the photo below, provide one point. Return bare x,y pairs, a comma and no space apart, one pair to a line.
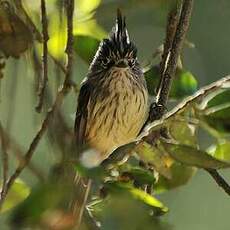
107,63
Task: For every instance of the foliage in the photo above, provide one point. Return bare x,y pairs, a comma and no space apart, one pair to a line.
122,189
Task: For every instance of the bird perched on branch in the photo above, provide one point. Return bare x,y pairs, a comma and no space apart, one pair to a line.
113,99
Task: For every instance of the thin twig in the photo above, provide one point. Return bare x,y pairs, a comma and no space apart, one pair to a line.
70,40
5,164
63,69
58,101
219,180
58,63
41,93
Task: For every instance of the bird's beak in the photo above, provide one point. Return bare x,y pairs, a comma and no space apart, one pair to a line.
123,63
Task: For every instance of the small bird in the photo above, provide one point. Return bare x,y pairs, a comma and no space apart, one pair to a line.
113,99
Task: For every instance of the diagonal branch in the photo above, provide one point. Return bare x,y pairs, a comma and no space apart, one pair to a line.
219,180
12,145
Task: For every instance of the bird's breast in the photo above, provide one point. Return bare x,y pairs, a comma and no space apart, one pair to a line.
116,119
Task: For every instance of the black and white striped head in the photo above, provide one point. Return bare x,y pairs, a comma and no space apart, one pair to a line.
117,50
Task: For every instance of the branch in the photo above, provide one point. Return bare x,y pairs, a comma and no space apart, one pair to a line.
172,22
219,180
16,149
58,102
70,40
42,87
172,56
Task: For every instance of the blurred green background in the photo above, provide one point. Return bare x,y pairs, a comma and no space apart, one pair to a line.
199,205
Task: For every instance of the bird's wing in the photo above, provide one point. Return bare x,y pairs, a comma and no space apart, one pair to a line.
82,113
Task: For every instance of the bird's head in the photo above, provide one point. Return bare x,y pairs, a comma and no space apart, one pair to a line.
117,50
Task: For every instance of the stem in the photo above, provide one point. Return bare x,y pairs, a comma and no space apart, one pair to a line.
219,180
41,93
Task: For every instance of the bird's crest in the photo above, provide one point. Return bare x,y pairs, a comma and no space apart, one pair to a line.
119,34
116,46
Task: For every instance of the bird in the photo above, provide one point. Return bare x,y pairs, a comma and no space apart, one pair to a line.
113,99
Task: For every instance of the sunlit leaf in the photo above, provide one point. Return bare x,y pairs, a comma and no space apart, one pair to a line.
86,6
221,151
86,47
193,157
89,30
118,187
90,27
18,192
154,156
183,85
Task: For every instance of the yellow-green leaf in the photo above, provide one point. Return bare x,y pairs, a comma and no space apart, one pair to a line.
182,132
137,194
152,155
18,192
222,151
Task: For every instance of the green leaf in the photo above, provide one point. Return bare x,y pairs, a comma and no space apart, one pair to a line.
181,174
18,192
141,175
193,157
222,151
221,98
118,187
151,154
217,112
183,85
86,47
